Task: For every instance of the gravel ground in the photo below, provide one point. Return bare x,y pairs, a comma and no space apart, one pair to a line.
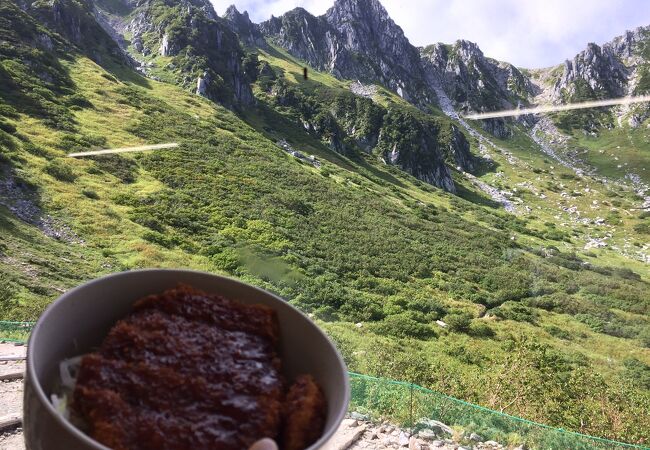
7,367
9,349
11,396
11,402
12,440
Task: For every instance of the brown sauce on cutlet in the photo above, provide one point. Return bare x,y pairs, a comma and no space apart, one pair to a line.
186,370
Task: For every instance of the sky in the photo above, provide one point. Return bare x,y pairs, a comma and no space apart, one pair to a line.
527,33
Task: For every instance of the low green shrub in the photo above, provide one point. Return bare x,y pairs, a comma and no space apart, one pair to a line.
60,170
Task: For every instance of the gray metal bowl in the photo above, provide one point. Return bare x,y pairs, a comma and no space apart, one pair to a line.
80,319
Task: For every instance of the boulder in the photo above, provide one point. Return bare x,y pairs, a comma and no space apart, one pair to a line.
475,437
403,439
350,423
437,427
358,416
427,434
414,444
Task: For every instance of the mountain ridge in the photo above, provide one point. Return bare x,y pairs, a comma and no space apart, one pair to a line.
518,88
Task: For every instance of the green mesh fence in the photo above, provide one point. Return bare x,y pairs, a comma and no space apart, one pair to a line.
15,331
413,406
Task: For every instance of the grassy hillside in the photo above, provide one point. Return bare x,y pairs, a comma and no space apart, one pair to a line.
535,325
617,152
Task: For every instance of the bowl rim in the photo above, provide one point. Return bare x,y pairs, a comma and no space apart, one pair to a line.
38,389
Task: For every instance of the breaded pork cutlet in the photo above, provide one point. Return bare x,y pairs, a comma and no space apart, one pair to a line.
191,370
304,414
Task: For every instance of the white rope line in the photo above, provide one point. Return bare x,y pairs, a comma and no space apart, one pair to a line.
110,151
554,108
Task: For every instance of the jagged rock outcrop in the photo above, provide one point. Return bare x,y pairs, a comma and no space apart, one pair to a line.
474,82
202,84
458,149
204,49
305,36
617,68
423,146
354,40
596,72
613,69
75,22
240,24
627,45
379,47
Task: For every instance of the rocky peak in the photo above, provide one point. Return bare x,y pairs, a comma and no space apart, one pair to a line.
471,80
468,51
206,54
295,17
596,72
353,40
202,5
304,36
368,33
435,54
624,45
474,82
233,14
369,15
240,24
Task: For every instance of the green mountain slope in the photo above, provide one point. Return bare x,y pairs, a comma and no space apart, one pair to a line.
536,325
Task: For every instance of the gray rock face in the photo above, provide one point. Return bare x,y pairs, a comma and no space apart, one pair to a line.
74,20
459,149
355,40
202,84
597,70
473,81
626,45
306,37
615,69
240,24
164,46
422,151
380,49
205,49
476,83
496,127
610,70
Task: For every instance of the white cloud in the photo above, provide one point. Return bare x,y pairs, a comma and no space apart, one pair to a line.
528,33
